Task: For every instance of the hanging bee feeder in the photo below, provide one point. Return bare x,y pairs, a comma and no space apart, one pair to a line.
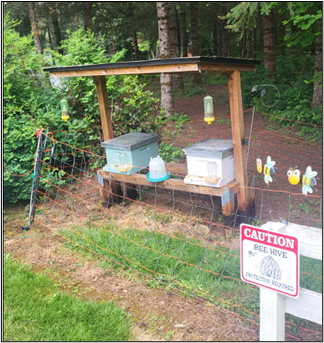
208,109
65,109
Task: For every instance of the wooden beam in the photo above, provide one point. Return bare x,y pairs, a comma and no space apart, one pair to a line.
308,306
169,68
310,238
222,67
107,130
236,108
172,68
176,184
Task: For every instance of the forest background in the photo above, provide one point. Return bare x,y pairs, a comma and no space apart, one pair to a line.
286,36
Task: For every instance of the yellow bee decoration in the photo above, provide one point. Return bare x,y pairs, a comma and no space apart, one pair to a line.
308,181
293,175
269,170
259,165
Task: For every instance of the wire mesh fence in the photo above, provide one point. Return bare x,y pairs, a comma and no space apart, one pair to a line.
178,238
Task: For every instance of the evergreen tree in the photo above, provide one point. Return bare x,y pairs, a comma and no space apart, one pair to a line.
215,29
177,80
166,80
87,15
34,25
307,16
268,43
194,35
57,31
184,39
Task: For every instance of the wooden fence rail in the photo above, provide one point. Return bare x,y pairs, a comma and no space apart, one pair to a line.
273,306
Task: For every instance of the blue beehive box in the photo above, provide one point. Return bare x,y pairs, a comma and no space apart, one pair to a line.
129,153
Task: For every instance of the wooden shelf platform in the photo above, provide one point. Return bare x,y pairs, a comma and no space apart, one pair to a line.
113,184
172,183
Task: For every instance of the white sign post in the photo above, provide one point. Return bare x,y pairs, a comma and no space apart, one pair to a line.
270,260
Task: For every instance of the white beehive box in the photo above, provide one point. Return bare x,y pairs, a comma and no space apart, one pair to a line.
210,162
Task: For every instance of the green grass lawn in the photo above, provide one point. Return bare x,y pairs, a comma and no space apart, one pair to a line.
35,310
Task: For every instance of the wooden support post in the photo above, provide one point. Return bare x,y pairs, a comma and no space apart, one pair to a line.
272,316
104,193
227,200
237,120
107,129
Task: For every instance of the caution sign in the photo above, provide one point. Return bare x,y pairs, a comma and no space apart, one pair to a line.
270,260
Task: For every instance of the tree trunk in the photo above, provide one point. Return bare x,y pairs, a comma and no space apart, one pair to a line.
255,45
157,51
134,33
249,52
136,54
225,37
178,28
225,42
260,26
194,35
49,34
274,24
166,80
282,35
268,45
57,32
86,9
317,90
215,38
112,38
177,80
243,42
184,44
33,24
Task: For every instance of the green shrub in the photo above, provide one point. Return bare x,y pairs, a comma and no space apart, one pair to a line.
214,79
170,153
293,80
131,105
31,102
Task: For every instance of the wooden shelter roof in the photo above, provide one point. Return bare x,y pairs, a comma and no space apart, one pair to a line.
168,65
197,64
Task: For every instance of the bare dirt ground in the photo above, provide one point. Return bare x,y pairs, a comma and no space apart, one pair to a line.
159,313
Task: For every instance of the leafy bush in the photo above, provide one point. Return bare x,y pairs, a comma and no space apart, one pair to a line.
214,79
293,80
31,102
131,105
170,153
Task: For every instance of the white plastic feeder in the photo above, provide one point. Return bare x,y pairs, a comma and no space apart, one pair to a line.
157,171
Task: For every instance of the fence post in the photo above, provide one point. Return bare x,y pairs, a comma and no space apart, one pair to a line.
272,304
272,315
